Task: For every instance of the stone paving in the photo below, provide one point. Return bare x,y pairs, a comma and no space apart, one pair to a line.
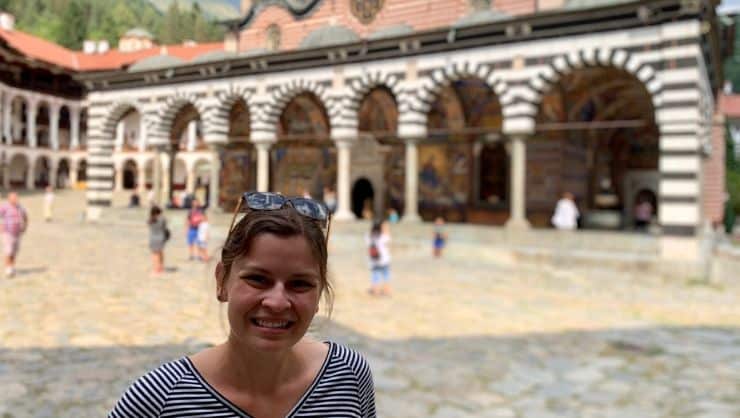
458,338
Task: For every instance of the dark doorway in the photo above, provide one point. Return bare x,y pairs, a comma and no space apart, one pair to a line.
362,197
129,175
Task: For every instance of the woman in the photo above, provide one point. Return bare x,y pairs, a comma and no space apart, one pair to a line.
158,236
271,276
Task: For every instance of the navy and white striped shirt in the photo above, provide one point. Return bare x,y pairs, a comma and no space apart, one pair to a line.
343,388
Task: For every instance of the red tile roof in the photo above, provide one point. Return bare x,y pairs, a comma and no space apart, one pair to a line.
51,53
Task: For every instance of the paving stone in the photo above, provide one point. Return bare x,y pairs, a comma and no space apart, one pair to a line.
460,337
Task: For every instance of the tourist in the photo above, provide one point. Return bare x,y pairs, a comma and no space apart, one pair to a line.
643,215
566,213
271,275
159,234
203,232
195,216
15,222
330,199
393,216
48,203
439,238
133,201
379,256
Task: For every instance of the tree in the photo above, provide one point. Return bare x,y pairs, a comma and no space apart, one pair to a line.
73,26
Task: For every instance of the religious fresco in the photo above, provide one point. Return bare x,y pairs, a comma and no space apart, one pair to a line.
590,163
378,118
237,175
303,160
239,122
463,114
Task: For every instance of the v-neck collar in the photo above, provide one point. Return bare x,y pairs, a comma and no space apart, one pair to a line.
244,414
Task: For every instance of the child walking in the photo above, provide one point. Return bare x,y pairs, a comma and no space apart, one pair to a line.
380,259
440,238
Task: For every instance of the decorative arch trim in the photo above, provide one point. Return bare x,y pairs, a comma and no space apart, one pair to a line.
349,106
617,58
285,93
442,77
168,111
115,113
217,129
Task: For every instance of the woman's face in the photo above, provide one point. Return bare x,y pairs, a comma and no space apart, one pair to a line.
273,292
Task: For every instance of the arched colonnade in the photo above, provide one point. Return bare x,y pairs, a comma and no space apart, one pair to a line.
458,141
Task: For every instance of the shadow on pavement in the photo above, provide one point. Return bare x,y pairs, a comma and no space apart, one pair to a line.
645,372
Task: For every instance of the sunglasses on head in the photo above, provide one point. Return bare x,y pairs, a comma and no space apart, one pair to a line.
263,201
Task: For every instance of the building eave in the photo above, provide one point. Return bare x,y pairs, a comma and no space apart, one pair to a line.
544,25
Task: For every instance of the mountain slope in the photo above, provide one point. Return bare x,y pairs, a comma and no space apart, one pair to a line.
216,9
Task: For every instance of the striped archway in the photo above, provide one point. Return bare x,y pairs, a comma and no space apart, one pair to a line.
282,95
348,106
162,130
598,57
217,130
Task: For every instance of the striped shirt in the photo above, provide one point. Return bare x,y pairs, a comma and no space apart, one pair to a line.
342,388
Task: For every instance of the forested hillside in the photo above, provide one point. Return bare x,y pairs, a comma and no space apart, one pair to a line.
217,9
70,22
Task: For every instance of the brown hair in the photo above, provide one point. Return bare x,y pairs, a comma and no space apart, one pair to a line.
284,222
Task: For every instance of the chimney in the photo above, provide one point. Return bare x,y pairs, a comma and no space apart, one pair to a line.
88,47
103,46
7,21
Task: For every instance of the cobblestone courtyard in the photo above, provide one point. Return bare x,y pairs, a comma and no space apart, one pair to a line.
458,338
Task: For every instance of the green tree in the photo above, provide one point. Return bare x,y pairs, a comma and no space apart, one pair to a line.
73,26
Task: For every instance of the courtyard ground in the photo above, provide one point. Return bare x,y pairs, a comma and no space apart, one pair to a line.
459,337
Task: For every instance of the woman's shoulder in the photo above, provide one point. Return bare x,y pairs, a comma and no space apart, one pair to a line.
349,358
149,392
166,375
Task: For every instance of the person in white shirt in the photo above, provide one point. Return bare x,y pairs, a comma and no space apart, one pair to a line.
48,203
566,213
203,238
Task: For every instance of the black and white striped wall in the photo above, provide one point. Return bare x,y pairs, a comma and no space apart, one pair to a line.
667,59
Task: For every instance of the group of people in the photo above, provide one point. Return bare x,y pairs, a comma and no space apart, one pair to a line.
379,254
567,216
197,231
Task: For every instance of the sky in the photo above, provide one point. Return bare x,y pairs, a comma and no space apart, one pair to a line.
729,4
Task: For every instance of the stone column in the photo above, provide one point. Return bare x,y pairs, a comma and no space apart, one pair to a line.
53,166
74,128
344,212
157,175
166,177
32,109
263,166
518,215
54,126
7,119
120,133
118,171
214,181
190,182
411,200
192,135
17,123
30,178
73,174
6,174
141,180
